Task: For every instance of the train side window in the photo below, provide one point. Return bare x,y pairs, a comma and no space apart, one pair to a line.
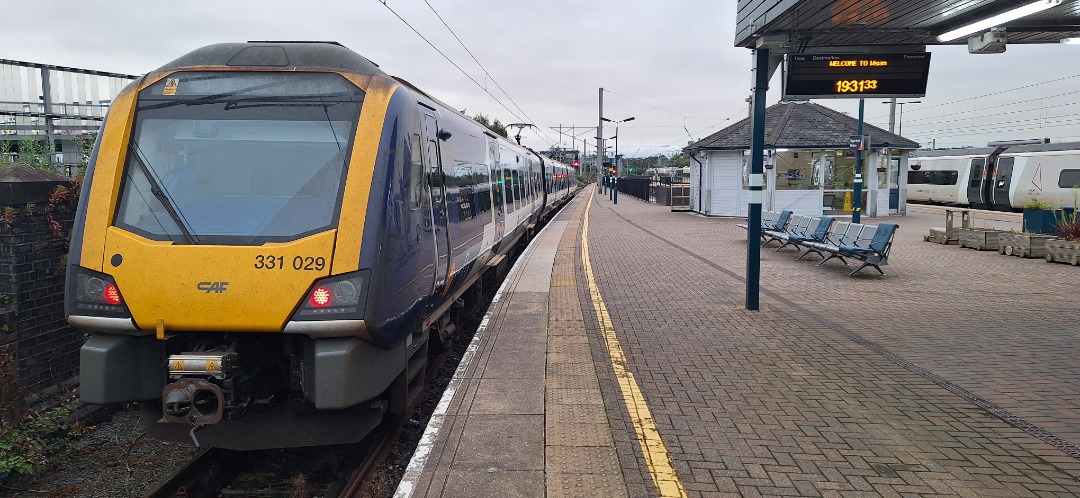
948,177
483,188
1004,169
507,187
1069,178
416,173
497,188
519,194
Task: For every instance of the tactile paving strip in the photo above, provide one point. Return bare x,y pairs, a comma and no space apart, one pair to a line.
578,485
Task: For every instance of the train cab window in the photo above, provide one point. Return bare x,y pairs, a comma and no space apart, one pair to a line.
1069,178
235,157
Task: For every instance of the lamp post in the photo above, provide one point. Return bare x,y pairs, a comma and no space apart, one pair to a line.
618,167
892,113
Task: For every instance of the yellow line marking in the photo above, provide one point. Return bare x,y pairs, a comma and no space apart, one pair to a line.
656,454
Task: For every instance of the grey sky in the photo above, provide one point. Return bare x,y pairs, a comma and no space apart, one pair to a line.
671,64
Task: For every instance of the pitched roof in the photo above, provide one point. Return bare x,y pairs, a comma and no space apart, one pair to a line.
801,124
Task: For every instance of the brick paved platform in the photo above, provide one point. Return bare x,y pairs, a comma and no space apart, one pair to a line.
957,374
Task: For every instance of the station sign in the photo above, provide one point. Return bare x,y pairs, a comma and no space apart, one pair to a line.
841,76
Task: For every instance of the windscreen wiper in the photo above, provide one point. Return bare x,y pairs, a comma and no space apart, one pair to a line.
161,196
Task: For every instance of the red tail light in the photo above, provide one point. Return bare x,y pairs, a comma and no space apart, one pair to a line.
111,294
320,297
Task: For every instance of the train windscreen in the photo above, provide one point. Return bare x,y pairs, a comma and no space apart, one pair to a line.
239,158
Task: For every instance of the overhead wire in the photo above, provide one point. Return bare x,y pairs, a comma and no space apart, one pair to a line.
482,68
924,108
459,68
685,117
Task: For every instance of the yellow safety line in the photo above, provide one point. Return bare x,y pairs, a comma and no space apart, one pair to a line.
656,454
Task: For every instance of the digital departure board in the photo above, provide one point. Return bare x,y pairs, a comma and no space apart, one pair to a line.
839,76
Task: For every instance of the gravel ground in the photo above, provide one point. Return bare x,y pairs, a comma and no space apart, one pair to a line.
113,460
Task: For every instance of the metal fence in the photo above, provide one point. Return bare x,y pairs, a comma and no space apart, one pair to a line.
636,186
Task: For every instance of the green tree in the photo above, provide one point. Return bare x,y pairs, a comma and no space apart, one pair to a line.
680,160
495,126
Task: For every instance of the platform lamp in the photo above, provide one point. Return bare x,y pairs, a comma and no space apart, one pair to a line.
618,167
900,122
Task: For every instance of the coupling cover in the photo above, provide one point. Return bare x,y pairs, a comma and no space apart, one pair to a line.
218,365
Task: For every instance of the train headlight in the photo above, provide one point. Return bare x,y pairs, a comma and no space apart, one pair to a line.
94,294
341,297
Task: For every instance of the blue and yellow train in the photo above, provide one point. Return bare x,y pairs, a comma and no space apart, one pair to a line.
271,236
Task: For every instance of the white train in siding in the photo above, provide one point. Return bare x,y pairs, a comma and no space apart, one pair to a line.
1002,178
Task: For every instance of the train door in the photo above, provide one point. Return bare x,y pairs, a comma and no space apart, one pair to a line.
1002,183
437,191
497,190
976,179
543,180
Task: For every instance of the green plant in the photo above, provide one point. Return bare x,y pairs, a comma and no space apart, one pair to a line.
5,153
85,146
33,153
26,446
1038,204
1068,224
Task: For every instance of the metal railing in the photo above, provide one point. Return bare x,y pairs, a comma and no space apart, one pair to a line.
635,186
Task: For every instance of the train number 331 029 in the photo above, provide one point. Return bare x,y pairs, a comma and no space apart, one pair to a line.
272,262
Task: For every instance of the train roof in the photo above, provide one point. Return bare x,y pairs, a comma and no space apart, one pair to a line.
971,151
1019,149
986,151
283,54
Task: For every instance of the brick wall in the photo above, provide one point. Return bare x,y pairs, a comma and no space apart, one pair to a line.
33,330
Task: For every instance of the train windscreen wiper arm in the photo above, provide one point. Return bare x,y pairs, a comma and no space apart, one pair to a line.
155,188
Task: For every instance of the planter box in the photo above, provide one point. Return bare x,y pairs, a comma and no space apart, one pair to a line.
1039,221
1063,251
980,239
1025,245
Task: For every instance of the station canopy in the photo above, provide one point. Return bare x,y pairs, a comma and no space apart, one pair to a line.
799,25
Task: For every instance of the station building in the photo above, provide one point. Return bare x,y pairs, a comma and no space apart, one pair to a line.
809,167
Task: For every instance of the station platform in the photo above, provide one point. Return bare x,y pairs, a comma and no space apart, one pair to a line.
619,360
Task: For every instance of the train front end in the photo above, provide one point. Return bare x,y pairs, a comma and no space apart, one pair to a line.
213,266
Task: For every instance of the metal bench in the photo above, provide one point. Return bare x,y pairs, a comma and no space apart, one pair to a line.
871,246
821,229
770,221
797,226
